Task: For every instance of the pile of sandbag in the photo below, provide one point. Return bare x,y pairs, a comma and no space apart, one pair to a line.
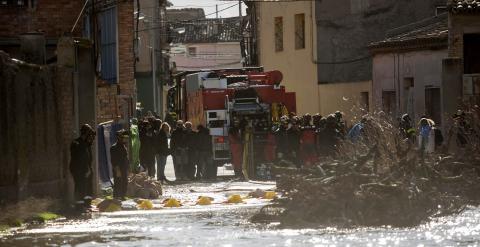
142,186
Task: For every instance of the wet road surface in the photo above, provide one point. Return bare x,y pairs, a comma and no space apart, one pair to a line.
228,225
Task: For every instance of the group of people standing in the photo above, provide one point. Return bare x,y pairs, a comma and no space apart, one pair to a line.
190,149
302,140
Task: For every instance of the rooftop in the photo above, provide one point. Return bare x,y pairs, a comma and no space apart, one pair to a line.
429,33
185,14
208,30
464,6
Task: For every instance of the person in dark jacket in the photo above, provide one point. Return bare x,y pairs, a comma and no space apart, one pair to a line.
281,139
191,144
294,135
147,151
329,137
162,151
120,164
204,152
178,148
81,166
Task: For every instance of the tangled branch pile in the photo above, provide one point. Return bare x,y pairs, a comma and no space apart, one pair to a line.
382,181
141,186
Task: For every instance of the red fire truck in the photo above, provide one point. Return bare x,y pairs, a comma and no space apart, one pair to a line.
231,98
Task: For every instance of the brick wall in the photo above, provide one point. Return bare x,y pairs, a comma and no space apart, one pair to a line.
107,101
53,17
455,39
125,47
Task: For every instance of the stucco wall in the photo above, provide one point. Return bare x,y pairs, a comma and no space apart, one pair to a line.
344,97
346,27
390,70
208,56
299,71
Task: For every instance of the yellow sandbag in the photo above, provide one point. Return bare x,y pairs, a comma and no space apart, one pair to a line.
96,201
145,205
235,199
270,195
172,203
113,208
204,200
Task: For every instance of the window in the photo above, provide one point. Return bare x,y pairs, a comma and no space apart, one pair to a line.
389,102
408,99
108,44
300,31
433,108
278,34
471,53
365,101
192,51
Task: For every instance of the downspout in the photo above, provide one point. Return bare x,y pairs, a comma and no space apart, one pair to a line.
314,53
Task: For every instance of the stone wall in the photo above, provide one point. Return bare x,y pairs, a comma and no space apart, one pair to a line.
35,129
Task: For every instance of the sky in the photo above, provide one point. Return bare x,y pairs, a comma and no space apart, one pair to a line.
209,7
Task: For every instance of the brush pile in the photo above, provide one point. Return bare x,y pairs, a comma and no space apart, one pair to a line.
382,180
142,186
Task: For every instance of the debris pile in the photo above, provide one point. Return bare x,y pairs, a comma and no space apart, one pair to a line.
382,181
141,186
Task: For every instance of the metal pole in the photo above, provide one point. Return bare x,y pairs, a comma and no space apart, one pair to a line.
240,8
216,11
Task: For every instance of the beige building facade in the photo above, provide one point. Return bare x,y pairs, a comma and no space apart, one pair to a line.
287,42
278,51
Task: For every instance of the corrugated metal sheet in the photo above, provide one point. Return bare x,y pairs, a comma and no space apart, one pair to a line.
108,40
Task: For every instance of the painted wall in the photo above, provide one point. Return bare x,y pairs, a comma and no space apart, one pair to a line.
299,71
345,97
206,56
390,70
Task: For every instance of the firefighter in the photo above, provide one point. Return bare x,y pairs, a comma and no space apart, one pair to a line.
407,129
236,147
119,158
308,152
81,166
328,137
293,136
179,150
281,139
340,124
317,120
147,150
204,154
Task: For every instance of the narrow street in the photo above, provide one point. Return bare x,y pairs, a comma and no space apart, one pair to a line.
222,224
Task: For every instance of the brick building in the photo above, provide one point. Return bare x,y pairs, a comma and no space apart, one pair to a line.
89,49
464,47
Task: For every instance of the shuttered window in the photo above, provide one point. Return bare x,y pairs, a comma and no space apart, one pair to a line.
108,44
300,31
278,34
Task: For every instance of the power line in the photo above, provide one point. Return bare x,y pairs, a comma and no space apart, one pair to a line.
345,61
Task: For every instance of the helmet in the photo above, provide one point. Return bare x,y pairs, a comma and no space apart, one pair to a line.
86,129
405,117
331,118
